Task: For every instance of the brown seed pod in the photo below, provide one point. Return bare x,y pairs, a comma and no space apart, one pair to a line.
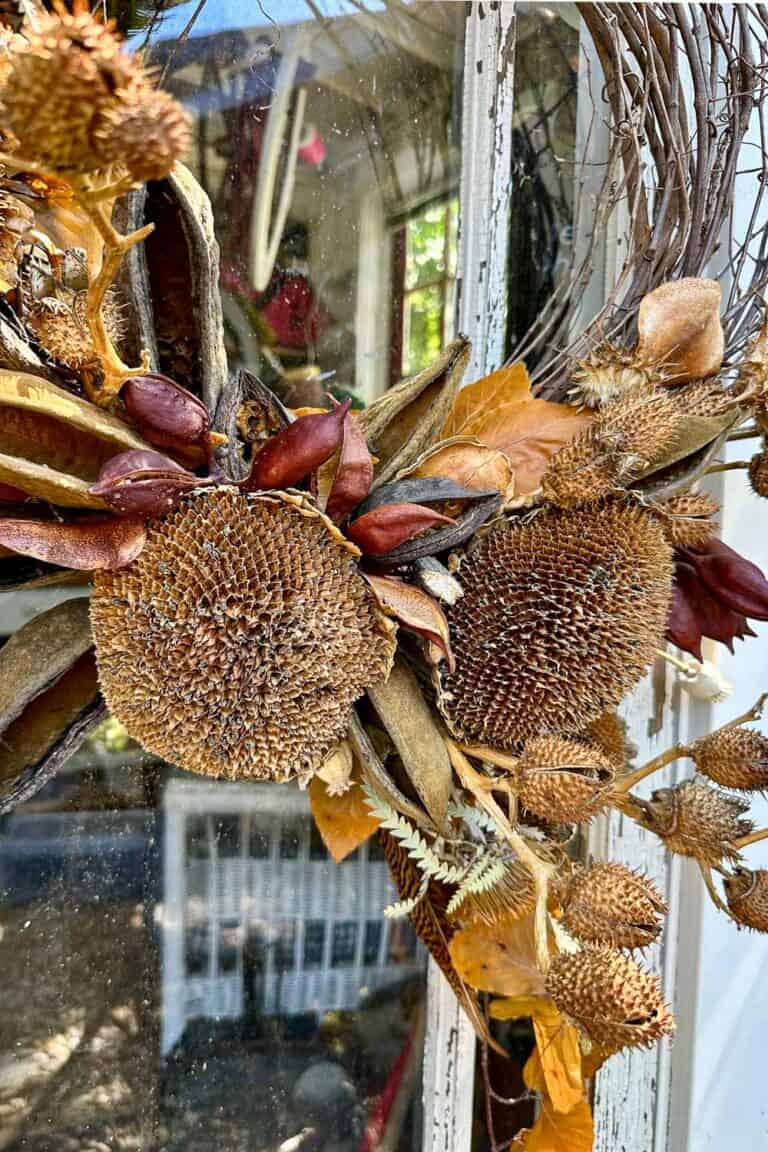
758,473
747,895
609,373
610,904
628,435
687,519
679,328
734,758
511,898
616,1002
237,641
609,733
704,398
547,603
561,781
696,820
143,128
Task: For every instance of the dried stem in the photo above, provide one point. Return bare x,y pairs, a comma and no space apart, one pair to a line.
753,713
732,466
750,433
628,782
752,838
709,884
491,756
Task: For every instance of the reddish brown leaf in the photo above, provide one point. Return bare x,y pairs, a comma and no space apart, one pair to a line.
415,610
392,524
299,449
10,494
354,472
88,545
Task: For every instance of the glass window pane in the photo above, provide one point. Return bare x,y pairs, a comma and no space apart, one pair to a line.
423,328
427,236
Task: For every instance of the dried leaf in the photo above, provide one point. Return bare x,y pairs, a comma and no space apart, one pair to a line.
696,433
501,413
344,821
387,527
414,732
558,1131
86,545
557,1047
353,474
499,958
415,610
469,463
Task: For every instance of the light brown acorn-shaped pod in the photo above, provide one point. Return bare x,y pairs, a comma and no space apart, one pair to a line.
617,1002
628,435
734,758
610,904
679,329
746,893
545,603
687,519
562,781
758,473
237,641
694,819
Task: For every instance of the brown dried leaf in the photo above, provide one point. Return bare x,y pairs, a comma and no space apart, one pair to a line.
501,413
469,463
87,545
415,610
557,1048
344,821
499,958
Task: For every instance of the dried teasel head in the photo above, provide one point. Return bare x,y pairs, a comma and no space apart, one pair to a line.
617,1002
546,602
610,904
758,473
734,758
746,893
563,781
628,435
610,373
687,519
679,329
694,819
237,641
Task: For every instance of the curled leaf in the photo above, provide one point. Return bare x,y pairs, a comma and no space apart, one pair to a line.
343,821
392,524
144,484
88,545
469,463
415,610
440,540
499,958
557,1047
299,449
500,412
353,474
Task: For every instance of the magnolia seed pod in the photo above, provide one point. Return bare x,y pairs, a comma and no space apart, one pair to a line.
610,904
679,329
734,758
562,781
696,820
747,895
758,473
687,519
616,1002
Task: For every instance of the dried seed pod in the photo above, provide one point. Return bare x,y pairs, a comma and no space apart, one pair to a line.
609,373
616,1002
547,603
561,781
626,438
679,329
687,519
610,904
758,473
297,450
747,895
731,578
609,733
510,898
63,337
143,128
704,398
734,758
696,820
166,414
237,642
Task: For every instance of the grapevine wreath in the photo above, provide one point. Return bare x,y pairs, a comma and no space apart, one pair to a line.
427,611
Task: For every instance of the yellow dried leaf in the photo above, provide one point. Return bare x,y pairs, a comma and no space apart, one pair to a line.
557,1049
344,821
499,957
559,1131
469,463
501,413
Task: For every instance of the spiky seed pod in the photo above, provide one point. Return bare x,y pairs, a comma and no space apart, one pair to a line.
237,641
687,519
758,473
509,899
703,398
560,617
562,781
611,372
747,895
734,758
62,336
609,733
627,436
610,904
16,218
696,820
617,1002
67,72
144,129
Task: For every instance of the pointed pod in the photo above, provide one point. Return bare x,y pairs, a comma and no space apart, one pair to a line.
162,408
90,544
144,484
354,473
683,624
299,449
733,579
390,525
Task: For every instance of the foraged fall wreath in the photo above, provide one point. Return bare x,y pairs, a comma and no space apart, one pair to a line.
428,611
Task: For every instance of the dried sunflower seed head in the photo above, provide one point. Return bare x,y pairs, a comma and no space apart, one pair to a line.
616,1002
734,758
747,896
562,781
610,904
237,641
758,473
560,617
696,820
687,519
